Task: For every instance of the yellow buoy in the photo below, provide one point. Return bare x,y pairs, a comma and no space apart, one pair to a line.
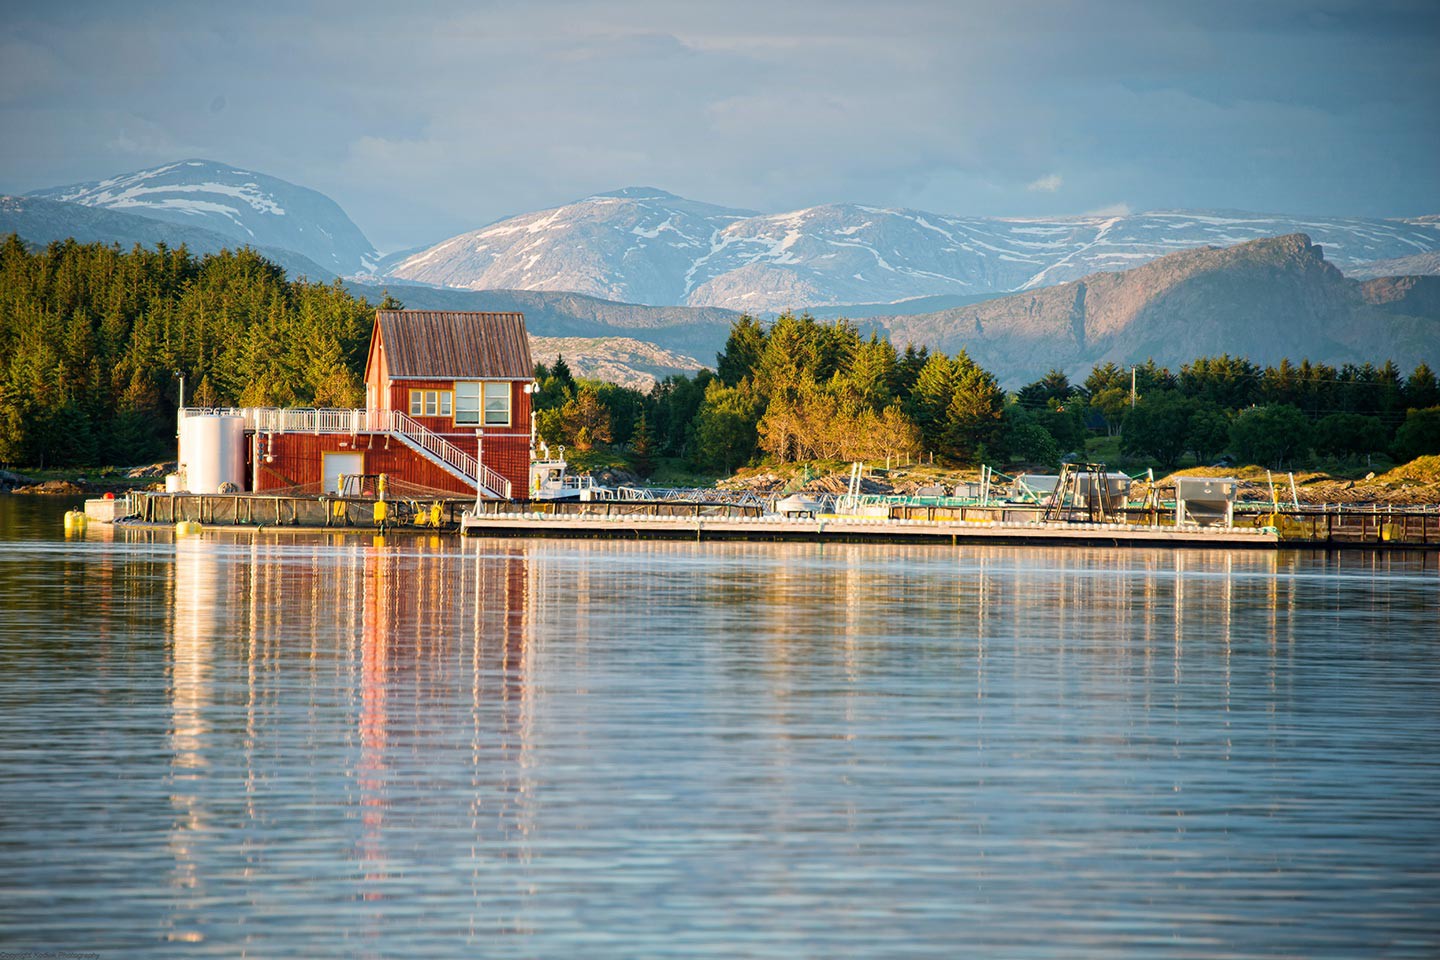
185,528
75,521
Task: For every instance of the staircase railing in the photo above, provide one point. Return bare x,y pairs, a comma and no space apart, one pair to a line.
436,445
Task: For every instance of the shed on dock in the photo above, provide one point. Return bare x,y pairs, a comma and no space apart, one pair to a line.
1207,501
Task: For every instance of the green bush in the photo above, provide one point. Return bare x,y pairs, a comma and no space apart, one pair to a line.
1349,435
1270,435
1418,436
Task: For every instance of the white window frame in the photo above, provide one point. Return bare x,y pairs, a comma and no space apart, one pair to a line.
465,415
495,386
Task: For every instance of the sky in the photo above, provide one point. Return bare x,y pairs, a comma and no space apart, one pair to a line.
424,120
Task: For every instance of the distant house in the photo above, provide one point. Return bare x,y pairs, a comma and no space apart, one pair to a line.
447,409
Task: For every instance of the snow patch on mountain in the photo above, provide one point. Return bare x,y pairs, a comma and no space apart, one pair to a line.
645,245
249,208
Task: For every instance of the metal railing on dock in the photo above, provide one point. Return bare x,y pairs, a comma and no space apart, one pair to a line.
1308,527
261,510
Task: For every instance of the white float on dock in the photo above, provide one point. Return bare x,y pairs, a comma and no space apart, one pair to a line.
851,529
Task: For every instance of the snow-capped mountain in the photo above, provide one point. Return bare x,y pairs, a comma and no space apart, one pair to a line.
637,245
644,245
40,221
247,207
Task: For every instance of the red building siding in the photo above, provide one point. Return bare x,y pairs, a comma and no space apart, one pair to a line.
295,458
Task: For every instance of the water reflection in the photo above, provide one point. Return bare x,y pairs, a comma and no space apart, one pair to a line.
196,592
339,747
408,636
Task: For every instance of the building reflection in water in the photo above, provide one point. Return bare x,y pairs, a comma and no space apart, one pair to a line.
406,638
439,623
382,703
193,632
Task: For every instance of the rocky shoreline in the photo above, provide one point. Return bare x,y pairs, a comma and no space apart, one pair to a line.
149,477
1412,484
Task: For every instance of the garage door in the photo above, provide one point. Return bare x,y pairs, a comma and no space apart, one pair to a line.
337,465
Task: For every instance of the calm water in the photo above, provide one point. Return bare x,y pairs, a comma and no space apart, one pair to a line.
316,747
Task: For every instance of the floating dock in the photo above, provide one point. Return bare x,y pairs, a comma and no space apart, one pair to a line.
842,529
1367,528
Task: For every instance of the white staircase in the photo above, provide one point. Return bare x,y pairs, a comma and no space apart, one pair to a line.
447,456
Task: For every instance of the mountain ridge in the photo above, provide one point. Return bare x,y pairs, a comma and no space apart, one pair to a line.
646,245
40,221
1264,299
250,208
1415,265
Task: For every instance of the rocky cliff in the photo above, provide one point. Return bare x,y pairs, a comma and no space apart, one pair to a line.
1265,300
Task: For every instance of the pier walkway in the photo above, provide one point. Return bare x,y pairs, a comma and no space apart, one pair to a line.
1368,528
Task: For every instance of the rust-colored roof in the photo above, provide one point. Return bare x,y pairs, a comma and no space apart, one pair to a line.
446,344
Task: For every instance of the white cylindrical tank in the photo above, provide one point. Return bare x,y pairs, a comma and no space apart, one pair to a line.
212,452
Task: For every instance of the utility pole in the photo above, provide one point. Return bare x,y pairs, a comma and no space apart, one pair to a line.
1132,386
180,410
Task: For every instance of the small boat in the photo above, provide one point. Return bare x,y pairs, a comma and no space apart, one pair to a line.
550,479
798,504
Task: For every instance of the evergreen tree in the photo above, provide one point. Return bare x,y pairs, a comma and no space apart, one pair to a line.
725,425
907,370
1054,386
642,447
1107,376
973,418
871,372
930,399
1421,391
562,376
743,350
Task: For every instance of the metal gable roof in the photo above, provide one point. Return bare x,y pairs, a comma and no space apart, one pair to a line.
454,345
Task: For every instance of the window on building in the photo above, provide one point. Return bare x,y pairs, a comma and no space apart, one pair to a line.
430,403
497,404
467,402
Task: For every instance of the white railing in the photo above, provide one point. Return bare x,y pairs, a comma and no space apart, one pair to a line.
326,420
300,419
406,427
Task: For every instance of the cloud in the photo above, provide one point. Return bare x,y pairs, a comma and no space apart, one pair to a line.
1121,209
754,104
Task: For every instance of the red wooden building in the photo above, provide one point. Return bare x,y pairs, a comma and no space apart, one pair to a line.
447,409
